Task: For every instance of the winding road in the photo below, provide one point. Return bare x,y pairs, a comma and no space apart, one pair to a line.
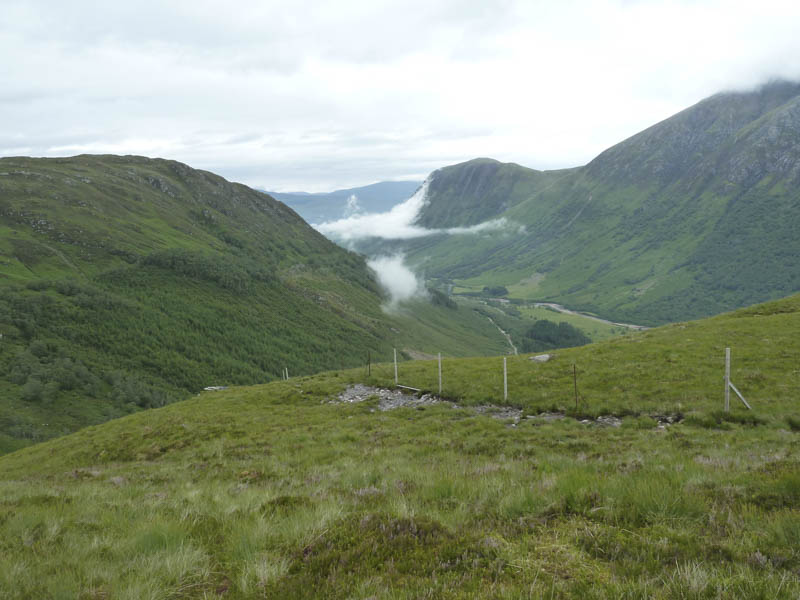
567,311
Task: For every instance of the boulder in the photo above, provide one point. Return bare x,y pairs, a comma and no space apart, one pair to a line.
541,358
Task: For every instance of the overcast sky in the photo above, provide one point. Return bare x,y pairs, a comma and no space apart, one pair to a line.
321,95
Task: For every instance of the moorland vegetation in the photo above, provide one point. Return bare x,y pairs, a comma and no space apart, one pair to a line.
280,490
127,283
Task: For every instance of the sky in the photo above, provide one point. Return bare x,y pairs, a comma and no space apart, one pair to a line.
316,96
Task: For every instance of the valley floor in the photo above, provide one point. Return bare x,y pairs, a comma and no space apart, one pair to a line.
566,311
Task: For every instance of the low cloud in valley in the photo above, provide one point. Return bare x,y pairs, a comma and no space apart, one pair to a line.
397,279
398,223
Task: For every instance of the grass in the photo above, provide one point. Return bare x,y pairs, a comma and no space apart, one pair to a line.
676,368
642,234
272,491
128,283
428,329
595,330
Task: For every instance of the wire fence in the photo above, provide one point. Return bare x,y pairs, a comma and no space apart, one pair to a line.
495,376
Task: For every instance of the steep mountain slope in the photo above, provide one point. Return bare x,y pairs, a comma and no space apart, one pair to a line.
129,282
477,191
374,198
693,216
283,491
717,133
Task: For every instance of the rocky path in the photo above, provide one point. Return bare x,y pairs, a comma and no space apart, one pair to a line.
392,399
505,334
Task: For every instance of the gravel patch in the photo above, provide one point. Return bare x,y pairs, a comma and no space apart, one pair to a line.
387,399
546,417
499,412
391,399
665,420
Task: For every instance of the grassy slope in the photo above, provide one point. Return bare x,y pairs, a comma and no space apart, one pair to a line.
430,329
602,257
479,190
129,282
691,217
270,492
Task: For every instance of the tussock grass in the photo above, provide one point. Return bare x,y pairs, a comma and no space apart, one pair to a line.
274,492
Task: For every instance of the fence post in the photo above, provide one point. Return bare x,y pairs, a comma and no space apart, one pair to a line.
729,384
440,373
395,366
727,379
575,379
505,380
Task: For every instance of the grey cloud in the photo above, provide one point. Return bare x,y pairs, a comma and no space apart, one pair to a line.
320,95
20,97
397,279
399,223
282,29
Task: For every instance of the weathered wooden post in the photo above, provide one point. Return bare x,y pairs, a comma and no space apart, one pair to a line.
505,380
727,379
395,366
440,373
575,379
729,384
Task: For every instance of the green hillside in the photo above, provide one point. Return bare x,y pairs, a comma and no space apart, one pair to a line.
130,282
479,190
694,216
278,491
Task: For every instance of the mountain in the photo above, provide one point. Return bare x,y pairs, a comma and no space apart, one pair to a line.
642,487
477,191
693,216
323,207
128,282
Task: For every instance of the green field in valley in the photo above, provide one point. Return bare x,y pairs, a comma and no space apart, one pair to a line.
596,330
